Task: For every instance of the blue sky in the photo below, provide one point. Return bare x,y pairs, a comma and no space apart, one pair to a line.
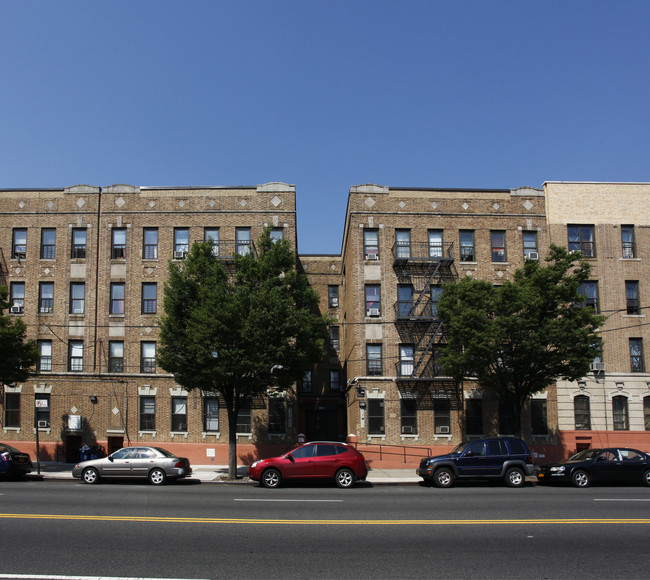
324,95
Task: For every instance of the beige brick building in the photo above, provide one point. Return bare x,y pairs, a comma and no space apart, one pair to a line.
86,267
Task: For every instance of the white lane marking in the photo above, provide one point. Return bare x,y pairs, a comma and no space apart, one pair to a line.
295,500
57,577
620,499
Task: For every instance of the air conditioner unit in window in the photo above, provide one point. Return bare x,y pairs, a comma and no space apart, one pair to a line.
334,302
443,429
17,309
45,309
20,255
179,255
407,429
597,366
372,256
372,312
532,255
43,424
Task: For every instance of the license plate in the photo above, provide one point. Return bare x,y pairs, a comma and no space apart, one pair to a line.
21,460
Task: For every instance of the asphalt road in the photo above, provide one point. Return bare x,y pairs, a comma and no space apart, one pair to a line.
189,530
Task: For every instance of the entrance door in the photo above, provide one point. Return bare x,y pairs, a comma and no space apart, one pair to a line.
321,425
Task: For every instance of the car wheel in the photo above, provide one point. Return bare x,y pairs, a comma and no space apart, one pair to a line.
344,478
580,478
443,477
90,475
271,478
157,477
515,477
646,478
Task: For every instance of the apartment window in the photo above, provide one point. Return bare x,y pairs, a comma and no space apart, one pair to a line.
179,414
42,408
77,297
45,297
628,242
404,301
620,413
498,242
78,250
530,245
406,358
150,243
147,413
118,243
376,417
373,303
589,292
334,337
276,234
306,382
244,418
75,356
646,413
637,364
277,416
12,410
371,244
243,241
181,242
333,296
409,416
436,294
211,414
149,297
335,380
374,363
211,235
506,419
148,357
117,298
19,244
116,356
632,297
17,297
45,355
474,416
582,413
538,417
435,243
581,239
442,417
48,243
467,249
402,243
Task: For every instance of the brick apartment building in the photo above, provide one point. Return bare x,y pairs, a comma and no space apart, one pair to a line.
86,267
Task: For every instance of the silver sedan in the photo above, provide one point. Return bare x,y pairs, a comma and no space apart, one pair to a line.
156,464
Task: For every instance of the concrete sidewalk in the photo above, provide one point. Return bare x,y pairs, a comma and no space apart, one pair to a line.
218,473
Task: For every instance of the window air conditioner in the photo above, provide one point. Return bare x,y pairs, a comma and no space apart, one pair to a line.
407,429
532,255
179,255
20,255
372,256
443,429
43,424
45,309
334,303
597,366
372,312
16,309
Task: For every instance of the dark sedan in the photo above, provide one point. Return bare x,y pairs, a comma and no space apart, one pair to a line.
14,463
155,463
609,465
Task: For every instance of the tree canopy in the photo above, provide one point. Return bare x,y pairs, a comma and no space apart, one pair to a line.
19,355
241,329
522,336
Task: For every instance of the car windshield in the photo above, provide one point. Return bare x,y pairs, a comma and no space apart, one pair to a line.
585,455
460,448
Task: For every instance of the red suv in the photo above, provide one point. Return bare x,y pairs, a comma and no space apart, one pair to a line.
314,460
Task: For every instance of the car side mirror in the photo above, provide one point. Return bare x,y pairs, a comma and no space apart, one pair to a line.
469,454
290,457
110,458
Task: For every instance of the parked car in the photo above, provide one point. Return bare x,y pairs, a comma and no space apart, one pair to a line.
314,460
506,458
14,463
609,465
156,464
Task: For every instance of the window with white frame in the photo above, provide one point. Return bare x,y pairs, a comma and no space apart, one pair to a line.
406,360
435,244
498,243
179,414
373,299
48,243
78,247
581,239
632,303
628,242
147,413
620,413
181,242
210,414
149,297
118,243
467,248
45,297
243,241
116,356
530,244
19,244
148,357
45,355
582,413
17,297
76,356
77,297
371,244
150,243
402,243
374,367
117,298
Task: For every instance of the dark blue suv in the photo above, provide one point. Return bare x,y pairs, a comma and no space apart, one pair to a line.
506,458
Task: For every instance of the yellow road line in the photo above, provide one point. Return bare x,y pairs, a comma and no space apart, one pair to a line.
549,521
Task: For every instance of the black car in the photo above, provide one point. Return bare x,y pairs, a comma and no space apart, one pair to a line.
506,458
609,465
14,463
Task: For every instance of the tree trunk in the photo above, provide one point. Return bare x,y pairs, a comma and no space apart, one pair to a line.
232,443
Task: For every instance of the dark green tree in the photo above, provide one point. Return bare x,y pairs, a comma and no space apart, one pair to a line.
19,356
240,331
521,337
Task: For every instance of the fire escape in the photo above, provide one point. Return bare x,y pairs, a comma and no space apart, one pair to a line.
421,269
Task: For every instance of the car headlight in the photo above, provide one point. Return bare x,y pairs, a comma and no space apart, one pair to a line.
254,464
558,469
